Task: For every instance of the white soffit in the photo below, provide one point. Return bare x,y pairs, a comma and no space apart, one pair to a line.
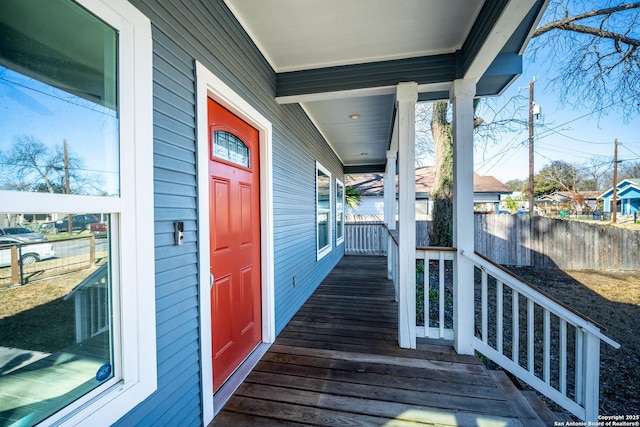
356,142
304,34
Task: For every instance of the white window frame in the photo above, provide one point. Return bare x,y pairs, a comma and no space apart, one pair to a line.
340,239
132,230
322,252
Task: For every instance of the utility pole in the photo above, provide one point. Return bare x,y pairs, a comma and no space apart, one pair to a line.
614,199
67,185
531,105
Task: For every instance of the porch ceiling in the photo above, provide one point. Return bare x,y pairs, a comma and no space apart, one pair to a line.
343,57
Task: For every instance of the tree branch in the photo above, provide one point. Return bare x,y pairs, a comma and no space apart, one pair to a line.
583,29
561,23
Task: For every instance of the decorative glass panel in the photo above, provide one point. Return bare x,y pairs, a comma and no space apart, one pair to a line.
58,100
227,146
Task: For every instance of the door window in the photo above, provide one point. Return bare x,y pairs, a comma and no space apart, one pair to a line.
227,146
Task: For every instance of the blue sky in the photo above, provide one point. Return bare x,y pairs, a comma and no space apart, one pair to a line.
563,133
51,115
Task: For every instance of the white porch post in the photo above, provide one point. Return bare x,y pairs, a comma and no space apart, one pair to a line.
462,93
407,95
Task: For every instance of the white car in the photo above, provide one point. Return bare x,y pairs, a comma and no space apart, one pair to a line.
29,253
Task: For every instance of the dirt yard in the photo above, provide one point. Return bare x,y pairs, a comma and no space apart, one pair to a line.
612,299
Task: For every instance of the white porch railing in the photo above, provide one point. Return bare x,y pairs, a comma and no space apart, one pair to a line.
540,340
91,298
365,238
434,282
393,257
551,347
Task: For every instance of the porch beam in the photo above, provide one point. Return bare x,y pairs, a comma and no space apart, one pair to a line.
372,168
424,70
462,94
407,95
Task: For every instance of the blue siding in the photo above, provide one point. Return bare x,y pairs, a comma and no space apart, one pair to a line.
628,196
207,32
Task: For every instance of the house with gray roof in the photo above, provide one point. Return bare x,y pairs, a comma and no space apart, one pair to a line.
486,190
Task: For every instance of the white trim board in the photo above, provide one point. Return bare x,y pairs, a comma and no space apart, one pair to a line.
210,86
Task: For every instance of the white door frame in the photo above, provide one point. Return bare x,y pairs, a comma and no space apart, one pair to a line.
210,86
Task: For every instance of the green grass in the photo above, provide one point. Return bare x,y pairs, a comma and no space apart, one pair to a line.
66,236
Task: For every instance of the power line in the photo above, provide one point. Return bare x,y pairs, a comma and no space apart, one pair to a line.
577,139
629,150
93,107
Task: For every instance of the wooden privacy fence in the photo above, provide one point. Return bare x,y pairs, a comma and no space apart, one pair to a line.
515,240
553,243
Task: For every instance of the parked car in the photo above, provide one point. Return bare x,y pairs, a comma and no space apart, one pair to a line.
30,253
78,222
22,234
99,229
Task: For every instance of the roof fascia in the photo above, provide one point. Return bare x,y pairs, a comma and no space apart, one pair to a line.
498,22
628,189
621,185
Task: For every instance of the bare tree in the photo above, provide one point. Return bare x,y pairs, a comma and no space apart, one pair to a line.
557,176
31,165
593,52
629,170
593,55
597,169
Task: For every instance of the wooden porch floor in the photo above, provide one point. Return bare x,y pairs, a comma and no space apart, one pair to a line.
337,363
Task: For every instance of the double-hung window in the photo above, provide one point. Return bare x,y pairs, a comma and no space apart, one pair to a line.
323,211
77,304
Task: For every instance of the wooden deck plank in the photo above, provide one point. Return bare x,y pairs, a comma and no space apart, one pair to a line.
520,405
382,367
383,395
361,376
542,410
308,415
338,363
420,413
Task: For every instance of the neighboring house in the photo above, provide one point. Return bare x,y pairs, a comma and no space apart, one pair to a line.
218,135
627,197
486,190
580,200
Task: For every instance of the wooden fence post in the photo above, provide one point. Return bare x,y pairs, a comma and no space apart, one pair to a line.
92,251
15,266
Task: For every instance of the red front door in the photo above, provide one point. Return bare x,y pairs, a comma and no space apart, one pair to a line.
234,201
